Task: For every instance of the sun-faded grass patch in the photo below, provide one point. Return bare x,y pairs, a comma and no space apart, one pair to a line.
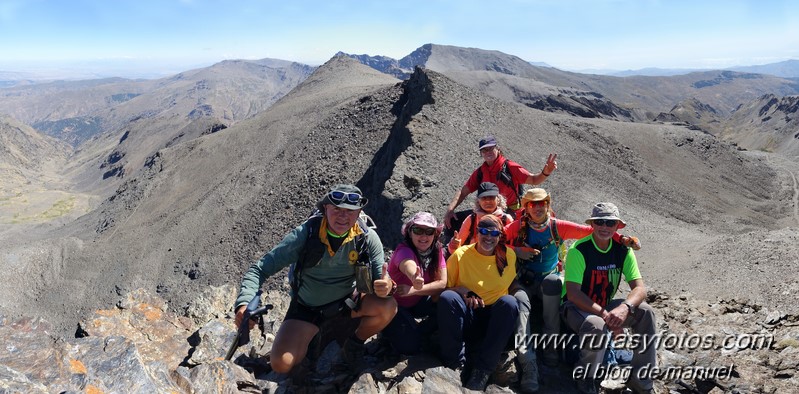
41,206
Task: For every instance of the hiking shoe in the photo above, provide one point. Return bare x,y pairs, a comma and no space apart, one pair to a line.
529,372
353,353
479,380
586,386
636,387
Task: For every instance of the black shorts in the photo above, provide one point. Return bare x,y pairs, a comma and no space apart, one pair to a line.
317,315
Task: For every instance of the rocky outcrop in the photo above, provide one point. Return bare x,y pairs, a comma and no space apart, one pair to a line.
138,346
768,123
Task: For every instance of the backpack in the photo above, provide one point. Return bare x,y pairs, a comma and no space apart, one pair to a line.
314,249
553,232
505,221
505,177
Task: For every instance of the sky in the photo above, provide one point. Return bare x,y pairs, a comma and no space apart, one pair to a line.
163,37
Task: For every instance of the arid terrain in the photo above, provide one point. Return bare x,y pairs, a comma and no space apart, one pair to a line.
199,199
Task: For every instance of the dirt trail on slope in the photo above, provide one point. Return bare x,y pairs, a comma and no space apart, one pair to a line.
783,164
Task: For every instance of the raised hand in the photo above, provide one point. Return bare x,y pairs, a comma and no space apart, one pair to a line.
551,164
631,242
455,242
449,216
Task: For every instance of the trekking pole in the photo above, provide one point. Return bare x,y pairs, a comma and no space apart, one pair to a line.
252,312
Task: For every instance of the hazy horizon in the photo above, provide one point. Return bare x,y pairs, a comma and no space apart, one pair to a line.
150,38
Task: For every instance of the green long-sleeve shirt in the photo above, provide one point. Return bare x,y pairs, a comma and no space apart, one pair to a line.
333,278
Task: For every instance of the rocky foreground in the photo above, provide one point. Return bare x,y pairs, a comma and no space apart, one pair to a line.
138,346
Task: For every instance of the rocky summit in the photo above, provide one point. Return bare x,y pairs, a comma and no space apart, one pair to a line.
128,287
140,346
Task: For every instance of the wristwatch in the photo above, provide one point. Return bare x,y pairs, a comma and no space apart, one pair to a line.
630,306
393,288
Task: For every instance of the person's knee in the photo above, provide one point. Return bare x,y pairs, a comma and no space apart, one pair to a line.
448,297
592,325
284,356
551,285
279,365
522,299
507,302
382,308
645,315
647,310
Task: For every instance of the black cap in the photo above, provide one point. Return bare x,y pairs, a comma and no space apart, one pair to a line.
487,189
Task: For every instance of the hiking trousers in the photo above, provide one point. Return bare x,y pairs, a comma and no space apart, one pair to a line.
593,338
490,326
405,335
547,288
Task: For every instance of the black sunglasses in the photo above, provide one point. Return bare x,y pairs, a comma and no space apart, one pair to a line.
485,231
605,222
423,230
339,197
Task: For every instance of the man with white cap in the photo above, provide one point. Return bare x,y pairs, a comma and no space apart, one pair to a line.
593,270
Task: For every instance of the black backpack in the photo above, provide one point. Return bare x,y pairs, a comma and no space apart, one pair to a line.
506,178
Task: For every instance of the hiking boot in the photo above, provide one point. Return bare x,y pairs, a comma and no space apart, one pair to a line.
586,386
529,372
479,380
637,387
353,354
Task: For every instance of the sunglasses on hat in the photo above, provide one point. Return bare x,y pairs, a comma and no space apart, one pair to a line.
339,197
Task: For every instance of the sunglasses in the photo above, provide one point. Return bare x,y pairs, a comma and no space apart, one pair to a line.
485,231
339,197
537,203
423,230
488,149
605,222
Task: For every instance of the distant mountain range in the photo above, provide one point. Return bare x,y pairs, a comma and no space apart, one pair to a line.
124,122
784,69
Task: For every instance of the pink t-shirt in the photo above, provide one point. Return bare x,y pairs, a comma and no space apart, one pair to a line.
402,253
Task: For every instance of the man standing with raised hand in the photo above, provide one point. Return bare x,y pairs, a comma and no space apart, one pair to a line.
506,174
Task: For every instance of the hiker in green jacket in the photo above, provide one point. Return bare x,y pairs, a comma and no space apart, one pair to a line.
323,281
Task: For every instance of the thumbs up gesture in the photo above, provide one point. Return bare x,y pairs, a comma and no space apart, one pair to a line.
382,286
454,243
418,280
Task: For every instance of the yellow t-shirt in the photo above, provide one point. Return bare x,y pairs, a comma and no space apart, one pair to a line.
478,273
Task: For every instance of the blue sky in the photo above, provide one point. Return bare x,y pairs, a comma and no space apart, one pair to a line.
168,36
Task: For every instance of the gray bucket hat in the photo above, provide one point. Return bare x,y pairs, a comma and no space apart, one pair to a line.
606,210
343,196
